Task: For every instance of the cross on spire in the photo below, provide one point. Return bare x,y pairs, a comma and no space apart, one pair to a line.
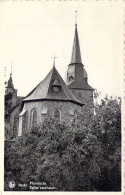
54,57
75,18
11,67
11,71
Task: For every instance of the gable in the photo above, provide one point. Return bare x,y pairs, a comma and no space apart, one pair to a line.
45,89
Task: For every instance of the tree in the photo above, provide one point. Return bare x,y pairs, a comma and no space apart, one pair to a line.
80,157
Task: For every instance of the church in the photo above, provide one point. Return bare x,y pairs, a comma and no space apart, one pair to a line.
51,98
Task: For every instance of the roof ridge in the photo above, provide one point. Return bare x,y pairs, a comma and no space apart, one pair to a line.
51,71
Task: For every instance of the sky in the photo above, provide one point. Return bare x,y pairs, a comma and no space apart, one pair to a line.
32,31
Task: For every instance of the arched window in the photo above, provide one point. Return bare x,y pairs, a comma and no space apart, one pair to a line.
34,118
57,115
75,115
15,126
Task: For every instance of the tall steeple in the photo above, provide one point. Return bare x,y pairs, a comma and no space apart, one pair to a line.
10,81
76,74
76,54
9,85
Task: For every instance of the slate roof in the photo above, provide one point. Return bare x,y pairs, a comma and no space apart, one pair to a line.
19,102
80,74
10,83
44,90
76,54
80,85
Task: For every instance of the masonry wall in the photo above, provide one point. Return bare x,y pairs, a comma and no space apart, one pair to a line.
7,127
86,96
45,109
14,122
14,98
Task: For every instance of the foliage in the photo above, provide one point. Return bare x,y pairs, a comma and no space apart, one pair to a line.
8,101
82,157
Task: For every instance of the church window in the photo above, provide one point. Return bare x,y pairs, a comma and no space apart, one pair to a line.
34,118
70,78
57,115
56,85
75,115
56,89
15,126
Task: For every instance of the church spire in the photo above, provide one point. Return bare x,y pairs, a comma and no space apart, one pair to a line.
10,81
76,54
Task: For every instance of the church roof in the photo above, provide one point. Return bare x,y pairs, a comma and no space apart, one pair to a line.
10,83
45,91
76,54
80,85
77,75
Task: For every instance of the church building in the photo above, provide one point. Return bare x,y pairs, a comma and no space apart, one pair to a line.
51,98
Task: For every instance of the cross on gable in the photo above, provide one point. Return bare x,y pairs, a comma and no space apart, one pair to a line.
54,57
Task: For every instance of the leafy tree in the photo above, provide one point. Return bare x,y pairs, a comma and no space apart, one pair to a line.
82,157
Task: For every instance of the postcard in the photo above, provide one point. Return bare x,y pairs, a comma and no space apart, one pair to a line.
62,101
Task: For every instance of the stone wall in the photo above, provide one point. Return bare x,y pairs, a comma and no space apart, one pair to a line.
86,96
7,133
45,109
14,122
14,98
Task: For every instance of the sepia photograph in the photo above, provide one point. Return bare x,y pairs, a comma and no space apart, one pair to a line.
62,73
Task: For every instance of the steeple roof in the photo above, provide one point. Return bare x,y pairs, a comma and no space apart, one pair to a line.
76,54
77,77
10,82
44,90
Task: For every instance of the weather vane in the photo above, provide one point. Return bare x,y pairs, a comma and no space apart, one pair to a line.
54,59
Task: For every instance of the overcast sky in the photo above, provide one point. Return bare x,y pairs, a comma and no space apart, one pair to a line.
32,31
